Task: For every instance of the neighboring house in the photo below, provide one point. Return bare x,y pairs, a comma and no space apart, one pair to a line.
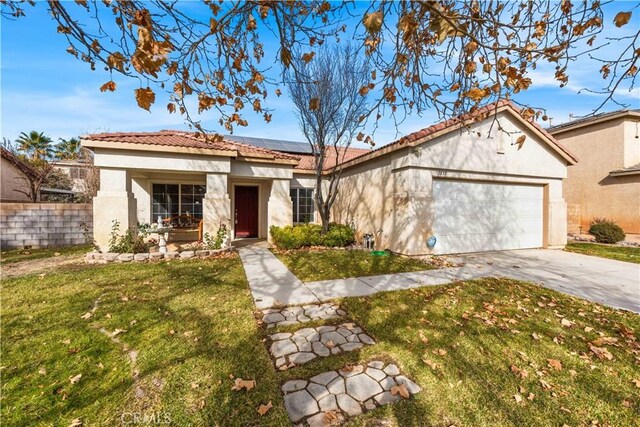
78,171
13,183
473,192
606,182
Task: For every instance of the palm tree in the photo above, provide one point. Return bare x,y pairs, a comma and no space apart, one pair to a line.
68,149
35,145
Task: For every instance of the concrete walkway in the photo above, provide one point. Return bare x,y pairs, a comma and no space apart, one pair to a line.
609,282
270,281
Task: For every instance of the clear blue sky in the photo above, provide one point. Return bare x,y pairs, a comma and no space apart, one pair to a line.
44,88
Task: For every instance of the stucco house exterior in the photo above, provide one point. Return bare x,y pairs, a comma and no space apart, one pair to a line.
473,190
13,185
606,182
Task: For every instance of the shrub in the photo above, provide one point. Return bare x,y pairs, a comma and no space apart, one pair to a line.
129,243
339,235
216,242
302,235
606,231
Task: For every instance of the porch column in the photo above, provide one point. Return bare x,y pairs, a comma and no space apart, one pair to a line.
216,205
279,206
113,202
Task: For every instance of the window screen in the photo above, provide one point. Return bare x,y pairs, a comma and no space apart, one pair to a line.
303,205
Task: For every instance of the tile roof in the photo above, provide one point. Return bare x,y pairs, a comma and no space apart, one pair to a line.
175,138
453,124
344,155
594,118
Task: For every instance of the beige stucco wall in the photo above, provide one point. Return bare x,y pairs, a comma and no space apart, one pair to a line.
11,179
602,148
391,197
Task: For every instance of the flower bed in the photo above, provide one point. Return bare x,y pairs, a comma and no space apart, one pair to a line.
107,257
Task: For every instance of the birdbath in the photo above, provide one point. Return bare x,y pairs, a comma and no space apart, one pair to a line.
163,235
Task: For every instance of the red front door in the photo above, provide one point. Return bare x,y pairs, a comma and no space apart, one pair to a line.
246,214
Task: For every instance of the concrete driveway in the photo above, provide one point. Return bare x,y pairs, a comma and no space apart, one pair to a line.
606,281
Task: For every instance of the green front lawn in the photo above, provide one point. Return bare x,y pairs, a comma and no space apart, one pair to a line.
19,255
189,330
189,323
620,253
471,348
310,266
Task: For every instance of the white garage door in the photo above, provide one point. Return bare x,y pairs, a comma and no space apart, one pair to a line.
478,216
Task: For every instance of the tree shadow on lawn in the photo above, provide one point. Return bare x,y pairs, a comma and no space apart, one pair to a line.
168,364
473,383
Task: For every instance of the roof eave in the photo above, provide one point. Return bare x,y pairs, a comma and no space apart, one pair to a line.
92,143
582,124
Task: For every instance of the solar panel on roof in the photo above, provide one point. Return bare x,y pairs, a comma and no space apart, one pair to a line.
273,144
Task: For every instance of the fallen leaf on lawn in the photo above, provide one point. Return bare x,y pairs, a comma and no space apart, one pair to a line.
522,373
555,364
117,332
566,322
432,365
572,372
531,396
57,254
108,315
401,390
42,371
76,423
171,332
133,322
441,351
545,385
536,336
67,341
424,339
263,409
330,344
100,365
605,340
125,299
74,380
87,315
518,398
568,411
239,384
195,385
601,352
636,382
588,329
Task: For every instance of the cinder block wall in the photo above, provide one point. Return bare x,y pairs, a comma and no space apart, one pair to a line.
43,225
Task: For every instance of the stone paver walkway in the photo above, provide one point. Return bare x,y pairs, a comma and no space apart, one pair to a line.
306,344
270,281
344,392
291,315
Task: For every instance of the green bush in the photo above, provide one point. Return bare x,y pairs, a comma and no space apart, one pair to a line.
606,231
302,235
211,242
129,243
339,235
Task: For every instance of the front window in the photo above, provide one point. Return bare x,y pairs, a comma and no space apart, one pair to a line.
178,202
303,205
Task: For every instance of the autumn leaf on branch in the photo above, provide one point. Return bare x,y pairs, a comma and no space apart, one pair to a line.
145,97
373,22
622,19
108,86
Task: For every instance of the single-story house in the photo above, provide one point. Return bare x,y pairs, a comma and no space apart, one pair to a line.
14,183
606,182
472,189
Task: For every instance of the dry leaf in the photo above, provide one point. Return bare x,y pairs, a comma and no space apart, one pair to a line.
263,409
442,352
566,322
87,315
118,332
545,385
601,352
330,344
432,365
588,329
520,141
330,418
239,384
76,423
195,385
555,364
74,380
42,371
636,382
145,97
108,86
622,18
518,398
401,390
536,336
531,396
